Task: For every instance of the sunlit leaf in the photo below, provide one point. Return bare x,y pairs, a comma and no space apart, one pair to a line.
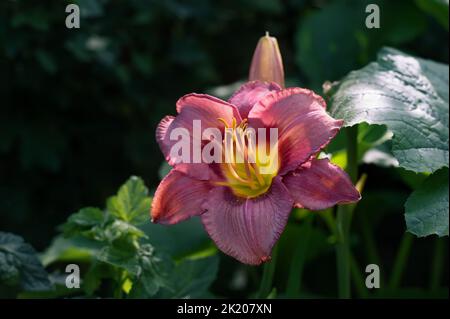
131,203
407,94
74,249
85,219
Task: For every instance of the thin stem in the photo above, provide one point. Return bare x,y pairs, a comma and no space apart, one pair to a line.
437,265
344,218
298,261
357,278
352,153
400,261
328,217
268,272
368,237
343,253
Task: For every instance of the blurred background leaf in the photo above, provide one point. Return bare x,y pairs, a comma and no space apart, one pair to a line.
20,266
338,38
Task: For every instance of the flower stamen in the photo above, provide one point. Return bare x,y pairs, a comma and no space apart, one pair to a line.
242,171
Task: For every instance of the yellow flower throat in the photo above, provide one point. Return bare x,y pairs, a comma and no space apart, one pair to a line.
252,175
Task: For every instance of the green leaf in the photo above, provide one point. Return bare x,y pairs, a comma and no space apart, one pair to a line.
191,278
20,264
94,224
180,240
84,220
413,180
427,207
153,272
93,278
131,203
121,258
119,230
410,96
121,246
74,249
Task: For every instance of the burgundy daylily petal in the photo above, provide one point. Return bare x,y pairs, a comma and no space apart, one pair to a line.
178,197
197,170
192,107
319,184
247,229
303,125
250,93
161,131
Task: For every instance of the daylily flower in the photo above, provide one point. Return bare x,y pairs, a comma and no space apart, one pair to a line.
243,210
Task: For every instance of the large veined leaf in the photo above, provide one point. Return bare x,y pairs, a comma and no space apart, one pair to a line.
427,207
407,94
410,96
19,264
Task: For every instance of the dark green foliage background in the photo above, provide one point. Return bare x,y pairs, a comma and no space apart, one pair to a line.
79,107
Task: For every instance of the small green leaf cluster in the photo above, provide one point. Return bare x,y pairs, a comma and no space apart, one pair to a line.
117,257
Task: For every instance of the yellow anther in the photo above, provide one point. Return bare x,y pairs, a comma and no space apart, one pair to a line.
223,121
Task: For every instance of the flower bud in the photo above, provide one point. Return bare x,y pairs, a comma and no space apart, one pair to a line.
267,64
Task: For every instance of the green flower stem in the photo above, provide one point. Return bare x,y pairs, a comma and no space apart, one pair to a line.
352,153
344,218
370,244
298,261
400,261
343,252
358,278
437,265
268,272
328,217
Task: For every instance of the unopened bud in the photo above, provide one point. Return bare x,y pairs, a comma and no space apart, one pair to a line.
267,64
